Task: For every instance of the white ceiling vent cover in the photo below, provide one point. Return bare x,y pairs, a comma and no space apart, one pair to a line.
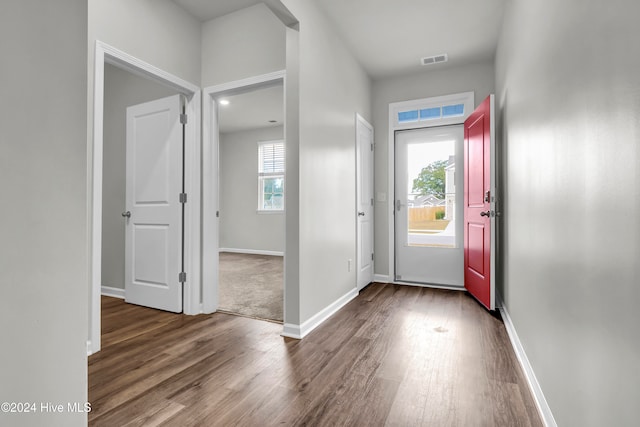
427,60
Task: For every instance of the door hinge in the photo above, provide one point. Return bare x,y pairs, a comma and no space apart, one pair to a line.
183,197
372,146
372,201
217,214
183,119
182,277
371,256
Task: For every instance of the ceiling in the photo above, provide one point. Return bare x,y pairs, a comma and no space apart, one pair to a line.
389,37
252,110
206,10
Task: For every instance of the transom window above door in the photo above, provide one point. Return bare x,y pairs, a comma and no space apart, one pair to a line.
431,113
271,169
435,111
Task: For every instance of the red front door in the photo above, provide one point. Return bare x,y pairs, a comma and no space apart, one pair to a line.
479,204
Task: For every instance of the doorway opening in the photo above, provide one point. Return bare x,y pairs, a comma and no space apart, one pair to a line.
189,238
252,186
245,197
425,235
428,210
132,116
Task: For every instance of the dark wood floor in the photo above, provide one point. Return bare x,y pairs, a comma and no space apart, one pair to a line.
396,355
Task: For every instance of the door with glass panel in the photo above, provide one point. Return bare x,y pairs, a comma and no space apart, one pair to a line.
428,208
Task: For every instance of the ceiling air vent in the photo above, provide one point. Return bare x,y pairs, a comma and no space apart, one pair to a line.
427,60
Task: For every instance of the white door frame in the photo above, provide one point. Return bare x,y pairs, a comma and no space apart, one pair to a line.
192,300
467,98
416,263
360,119
211,179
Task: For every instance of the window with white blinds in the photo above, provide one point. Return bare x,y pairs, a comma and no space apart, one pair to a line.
271,167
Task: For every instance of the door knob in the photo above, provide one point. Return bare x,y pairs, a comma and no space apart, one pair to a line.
360,213
487,213
126,214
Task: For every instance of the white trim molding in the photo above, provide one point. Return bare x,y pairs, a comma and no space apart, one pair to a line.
538,396
251,251
381,278
290,330
235,87
300,331
110,291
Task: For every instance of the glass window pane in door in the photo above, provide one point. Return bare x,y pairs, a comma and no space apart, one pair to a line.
431,194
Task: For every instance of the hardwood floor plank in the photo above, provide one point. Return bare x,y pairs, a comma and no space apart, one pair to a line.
509,405
147,414
395,355
317,392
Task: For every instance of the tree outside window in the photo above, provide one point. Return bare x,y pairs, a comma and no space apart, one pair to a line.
431,179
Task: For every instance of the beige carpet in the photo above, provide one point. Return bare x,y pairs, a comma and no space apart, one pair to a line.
251,285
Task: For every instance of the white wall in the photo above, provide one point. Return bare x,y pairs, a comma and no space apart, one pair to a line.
569,103
241,226
325,87
43,248
292,197
122,89
243,44
478,78
332,88
156,31
266,45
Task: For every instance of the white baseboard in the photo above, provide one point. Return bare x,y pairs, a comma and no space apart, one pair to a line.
381,278
251,251
291,330
110,291
534,386
300,331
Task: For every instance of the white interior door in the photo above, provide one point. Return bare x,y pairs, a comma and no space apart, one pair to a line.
153,253
364,204
428,206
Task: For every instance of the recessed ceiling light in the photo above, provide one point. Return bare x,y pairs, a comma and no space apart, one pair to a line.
223,102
